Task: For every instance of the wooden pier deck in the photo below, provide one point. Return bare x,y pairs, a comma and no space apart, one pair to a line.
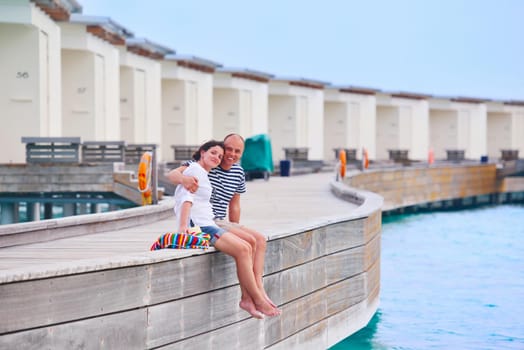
107,290
280,205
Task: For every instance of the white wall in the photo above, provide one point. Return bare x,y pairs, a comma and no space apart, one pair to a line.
499,133
144,99
402,123
458,125
187,106
505,129
359,128
387,132
368,124
472,133
420,148
518,129
443,131
245,111
90,85
301,109
30,75
226,112
282,124
78,87
337,131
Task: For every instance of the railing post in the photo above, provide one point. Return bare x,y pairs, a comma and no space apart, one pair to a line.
154,178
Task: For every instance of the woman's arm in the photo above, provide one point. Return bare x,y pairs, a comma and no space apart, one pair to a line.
185,210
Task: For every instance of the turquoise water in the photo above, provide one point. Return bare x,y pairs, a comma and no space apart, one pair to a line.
450,280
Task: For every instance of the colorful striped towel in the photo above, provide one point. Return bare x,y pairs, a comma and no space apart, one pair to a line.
193,240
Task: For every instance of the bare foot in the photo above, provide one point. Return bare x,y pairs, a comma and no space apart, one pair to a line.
249,306
269,300
267,309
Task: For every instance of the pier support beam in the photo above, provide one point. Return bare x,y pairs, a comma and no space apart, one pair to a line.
95,208
33,211
9,213
69,209
48,211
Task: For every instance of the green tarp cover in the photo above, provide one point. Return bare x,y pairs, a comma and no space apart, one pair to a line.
257,154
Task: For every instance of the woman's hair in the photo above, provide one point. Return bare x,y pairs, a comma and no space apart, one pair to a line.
206,146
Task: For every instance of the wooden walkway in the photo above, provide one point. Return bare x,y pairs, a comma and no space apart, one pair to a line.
279,206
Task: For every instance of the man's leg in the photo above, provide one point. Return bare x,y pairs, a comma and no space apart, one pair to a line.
258,242
241,251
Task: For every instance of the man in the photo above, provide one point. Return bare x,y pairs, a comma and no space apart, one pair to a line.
228,183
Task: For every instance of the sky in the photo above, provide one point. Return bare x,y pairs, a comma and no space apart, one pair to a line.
446,48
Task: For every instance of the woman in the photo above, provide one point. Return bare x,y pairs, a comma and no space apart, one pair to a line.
194,209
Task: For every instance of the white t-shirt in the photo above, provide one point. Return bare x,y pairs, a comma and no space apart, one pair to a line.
201,210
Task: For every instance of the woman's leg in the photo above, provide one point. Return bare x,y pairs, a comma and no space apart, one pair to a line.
258,243
241,251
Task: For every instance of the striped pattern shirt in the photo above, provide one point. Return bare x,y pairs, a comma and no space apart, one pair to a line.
225,183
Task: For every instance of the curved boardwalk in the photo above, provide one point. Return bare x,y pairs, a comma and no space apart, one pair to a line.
107,290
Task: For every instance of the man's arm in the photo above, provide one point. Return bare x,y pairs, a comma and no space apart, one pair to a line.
234,208
189,182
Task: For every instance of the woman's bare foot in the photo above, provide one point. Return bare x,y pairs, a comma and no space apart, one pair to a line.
267,309
269,300
249,306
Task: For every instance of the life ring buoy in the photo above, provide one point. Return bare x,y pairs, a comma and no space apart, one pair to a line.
365,159
144,177
431,156
342,163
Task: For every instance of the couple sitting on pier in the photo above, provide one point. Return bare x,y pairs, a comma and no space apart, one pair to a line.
210,192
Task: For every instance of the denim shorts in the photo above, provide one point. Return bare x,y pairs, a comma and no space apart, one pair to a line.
214,231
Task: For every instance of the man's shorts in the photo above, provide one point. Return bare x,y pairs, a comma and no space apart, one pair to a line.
214,231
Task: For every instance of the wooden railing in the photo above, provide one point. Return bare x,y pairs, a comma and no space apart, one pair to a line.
455,155
183,152
52,149
103,151
296,153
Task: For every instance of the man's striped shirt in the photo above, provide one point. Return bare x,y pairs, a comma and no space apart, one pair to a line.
226,183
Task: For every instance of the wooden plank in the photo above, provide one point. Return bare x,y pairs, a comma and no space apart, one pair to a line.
125,330
69,298
344,235
296,316
343,295
176,279
104,151
344,264
245,334
313,337
194,315
292,283
350,320
293,250
372,252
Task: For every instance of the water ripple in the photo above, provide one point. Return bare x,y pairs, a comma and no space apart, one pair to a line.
450,280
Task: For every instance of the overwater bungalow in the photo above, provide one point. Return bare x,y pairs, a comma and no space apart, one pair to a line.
30,70
349,120
240,102
141,91
505,129
457,128
90,76
296,117
187,100
402,126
